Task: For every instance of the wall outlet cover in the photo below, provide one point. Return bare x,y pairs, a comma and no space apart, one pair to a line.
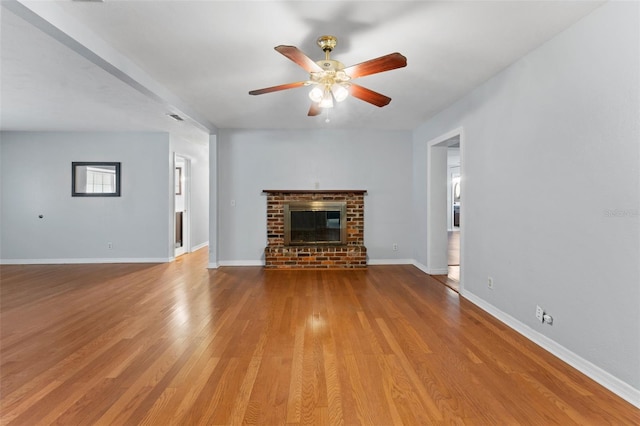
540,314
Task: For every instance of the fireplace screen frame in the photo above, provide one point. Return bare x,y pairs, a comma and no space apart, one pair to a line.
333,206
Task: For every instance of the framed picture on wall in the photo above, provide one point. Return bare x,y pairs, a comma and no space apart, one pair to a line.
178,180
95,179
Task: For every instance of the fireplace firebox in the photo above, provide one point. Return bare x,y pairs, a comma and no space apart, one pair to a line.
315,223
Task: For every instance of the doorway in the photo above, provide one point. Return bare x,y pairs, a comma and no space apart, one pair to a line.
444,210
182,171
454,181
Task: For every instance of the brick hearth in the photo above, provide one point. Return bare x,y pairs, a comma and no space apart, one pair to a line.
351,255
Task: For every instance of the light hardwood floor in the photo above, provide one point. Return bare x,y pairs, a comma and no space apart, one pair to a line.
179,344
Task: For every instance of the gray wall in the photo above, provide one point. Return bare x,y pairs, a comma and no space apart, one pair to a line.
36,179
550,162
250,161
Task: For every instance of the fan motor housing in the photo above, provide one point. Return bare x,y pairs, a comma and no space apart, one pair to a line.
330,65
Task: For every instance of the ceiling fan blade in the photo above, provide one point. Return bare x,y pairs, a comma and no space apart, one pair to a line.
314,110
368,95
278,88
373,66
298,56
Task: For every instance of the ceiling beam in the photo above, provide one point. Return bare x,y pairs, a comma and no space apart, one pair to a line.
52,20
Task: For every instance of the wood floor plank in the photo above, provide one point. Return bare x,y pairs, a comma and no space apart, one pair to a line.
335,414
428,399
178,343
244,395
366,399
131,397
294,402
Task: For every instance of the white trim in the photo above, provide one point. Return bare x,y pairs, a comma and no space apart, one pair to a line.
428,271
420,266
615,385
438,271
390,262
213,265
83,261
199,246
455,132
430,240
241,263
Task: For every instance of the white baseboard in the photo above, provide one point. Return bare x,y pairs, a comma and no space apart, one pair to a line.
241,263
199,246
390,262
615,385
428,271
213,265
83,261
420,266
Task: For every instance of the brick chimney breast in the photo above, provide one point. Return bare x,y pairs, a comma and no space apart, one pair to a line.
325,255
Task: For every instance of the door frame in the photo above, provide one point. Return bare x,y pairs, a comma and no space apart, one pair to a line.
437,209
186,193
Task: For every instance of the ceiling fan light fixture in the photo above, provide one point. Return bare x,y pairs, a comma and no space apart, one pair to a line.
316,94
342,76
340,92
327,100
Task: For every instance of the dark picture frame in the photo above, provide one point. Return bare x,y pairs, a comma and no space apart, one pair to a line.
95,179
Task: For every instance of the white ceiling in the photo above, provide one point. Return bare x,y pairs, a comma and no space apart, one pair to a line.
123,65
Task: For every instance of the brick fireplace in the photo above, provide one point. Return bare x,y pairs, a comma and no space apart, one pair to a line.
320,254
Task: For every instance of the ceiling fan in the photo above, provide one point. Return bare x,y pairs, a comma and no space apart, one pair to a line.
331,80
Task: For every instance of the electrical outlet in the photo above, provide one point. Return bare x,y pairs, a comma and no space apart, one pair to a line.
109,245
395,247
540,314
490,282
